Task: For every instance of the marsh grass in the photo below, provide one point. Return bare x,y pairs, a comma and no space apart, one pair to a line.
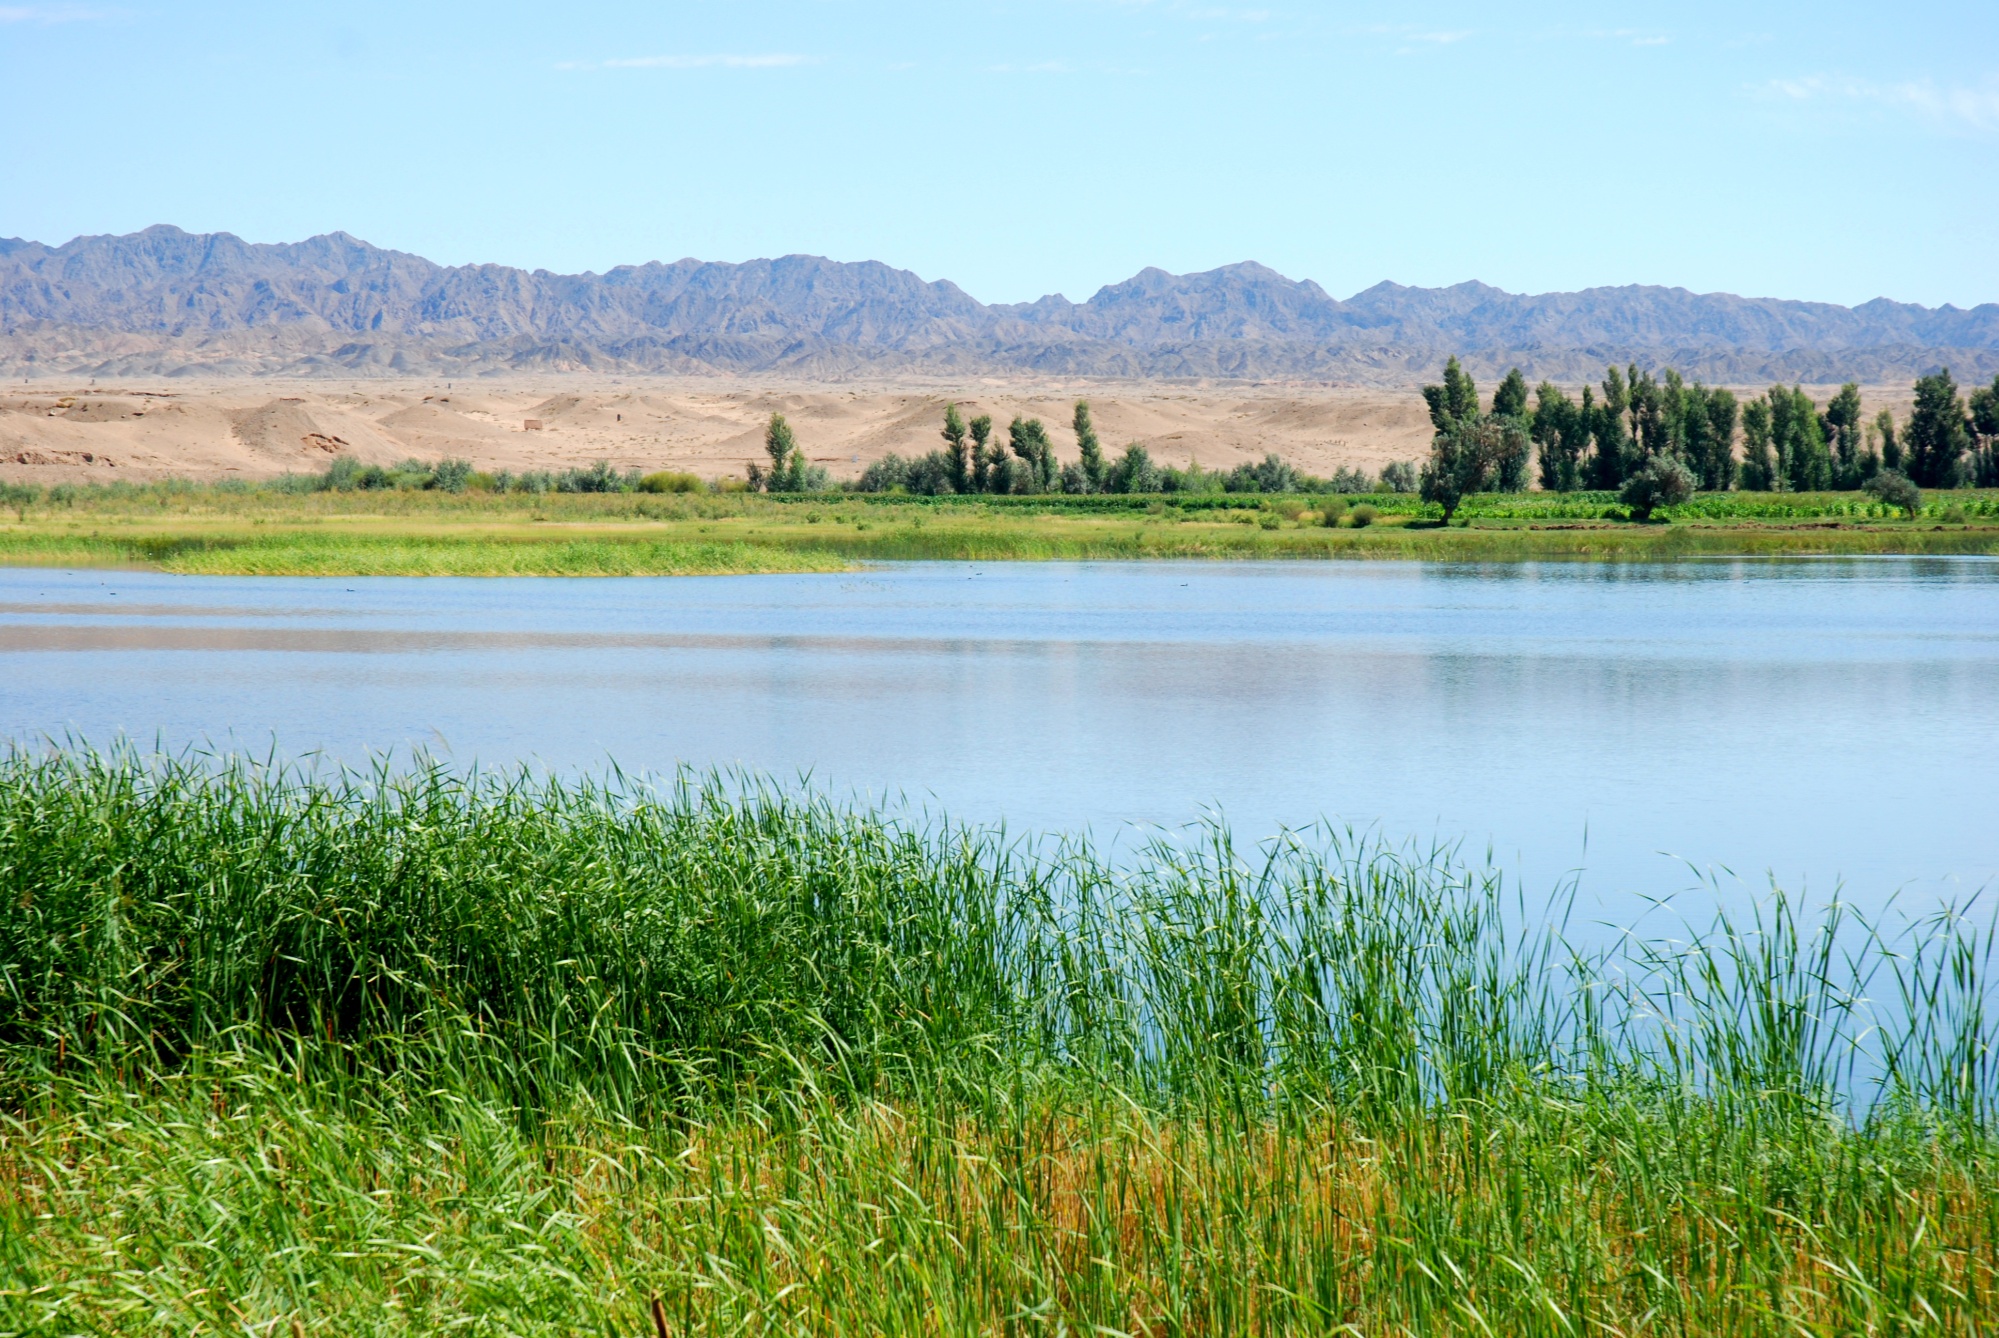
216,530
409,1051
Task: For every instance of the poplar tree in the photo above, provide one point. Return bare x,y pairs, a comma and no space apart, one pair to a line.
1985,429
1891,445
1716,466
1842,425
1092,461
1560,437
954,439
1030,443
1938,432
1759,470
1456,400
787,465
1510,400
982,431
1612,450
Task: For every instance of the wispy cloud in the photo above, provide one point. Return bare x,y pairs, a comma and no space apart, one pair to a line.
53,14
770,61
1413,37
1961,108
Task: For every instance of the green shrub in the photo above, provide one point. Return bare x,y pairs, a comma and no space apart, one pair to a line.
1332,511
670,480
1363,516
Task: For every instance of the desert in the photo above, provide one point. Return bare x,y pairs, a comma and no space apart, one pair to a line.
251,428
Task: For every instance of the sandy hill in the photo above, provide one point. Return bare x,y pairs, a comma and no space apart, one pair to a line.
166,302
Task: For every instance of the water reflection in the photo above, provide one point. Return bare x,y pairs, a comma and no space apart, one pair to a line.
1815,719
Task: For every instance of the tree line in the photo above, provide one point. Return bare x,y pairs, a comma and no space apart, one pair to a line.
1655,440
977,460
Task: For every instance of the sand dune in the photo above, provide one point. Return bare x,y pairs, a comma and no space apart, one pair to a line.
709,426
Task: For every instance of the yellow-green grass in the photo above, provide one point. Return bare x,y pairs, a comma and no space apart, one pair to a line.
215,531
411,1054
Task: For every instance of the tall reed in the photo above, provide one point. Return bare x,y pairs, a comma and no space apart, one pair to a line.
408,1049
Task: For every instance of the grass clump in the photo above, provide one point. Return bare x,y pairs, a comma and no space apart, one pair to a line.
402,1051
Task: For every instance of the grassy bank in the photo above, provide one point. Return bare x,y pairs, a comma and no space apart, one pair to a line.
400,1054
217,530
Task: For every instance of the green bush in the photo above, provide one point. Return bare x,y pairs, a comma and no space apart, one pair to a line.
1363,516
669,480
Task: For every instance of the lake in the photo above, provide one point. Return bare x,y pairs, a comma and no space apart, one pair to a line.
1817,720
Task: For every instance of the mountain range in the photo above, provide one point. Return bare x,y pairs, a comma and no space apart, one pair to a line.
167,302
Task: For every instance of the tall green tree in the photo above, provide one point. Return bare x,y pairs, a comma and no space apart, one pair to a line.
1939,432
982,431
1456,400
1715,466
955,443
1561,437
788,470
1611,450
1759,467
1092,450
1510,400
1803,462
1985,432
1648,418
1462,460
1030,443
1891,445
1842,426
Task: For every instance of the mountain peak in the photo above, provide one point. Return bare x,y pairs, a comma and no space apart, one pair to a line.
808,311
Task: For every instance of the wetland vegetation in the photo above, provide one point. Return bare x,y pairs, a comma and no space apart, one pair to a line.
411,1051
218,529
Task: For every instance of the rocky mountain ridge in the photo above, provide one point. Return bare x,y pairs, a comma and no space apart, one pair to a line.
164,301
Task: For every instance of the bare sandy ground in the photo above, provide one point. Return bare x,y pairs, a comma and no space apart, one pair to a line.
713,428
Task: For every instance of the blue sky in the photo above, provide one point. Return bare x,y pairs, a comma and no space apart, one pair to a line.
1828,151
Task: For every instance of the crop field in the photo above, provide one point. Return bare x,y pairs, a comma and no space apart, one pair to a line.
420,1051
245,531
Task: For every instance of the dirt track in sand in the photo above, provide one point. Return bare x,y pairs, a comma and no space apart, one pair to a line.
52,433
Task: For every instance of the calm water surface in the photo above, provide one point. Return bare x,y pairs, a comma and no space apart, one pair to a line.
1817,721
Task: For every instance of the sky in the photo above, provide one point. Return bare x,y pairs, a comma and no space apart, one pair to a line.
1827,151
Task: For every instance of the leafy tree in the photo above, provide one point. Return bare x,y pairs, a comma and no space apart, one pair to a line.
1759,468
1510,400
1841,426
1031,446
780,445
1660,481
1803,463
1892,486
1091,463
1509,465
1399,476
1270,474
1891,447
954,442
1561,432
1611,448
1714,463
1133,472
1939,432
1985,430
1454,401
982,431
1462,459
1649,432
789,471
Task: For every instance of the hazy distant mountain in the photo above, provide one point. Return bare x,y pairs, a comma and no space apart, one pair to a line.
165,301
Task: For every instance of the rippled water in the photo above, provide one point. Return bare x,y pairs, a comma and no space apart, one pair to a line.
1816,720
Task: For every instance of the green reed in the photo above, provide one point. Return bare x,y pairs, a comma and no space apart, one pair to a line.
409,1050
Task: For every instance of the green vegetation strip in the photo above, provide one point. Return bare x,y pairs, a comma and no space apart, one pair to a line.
416,533
408,1053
